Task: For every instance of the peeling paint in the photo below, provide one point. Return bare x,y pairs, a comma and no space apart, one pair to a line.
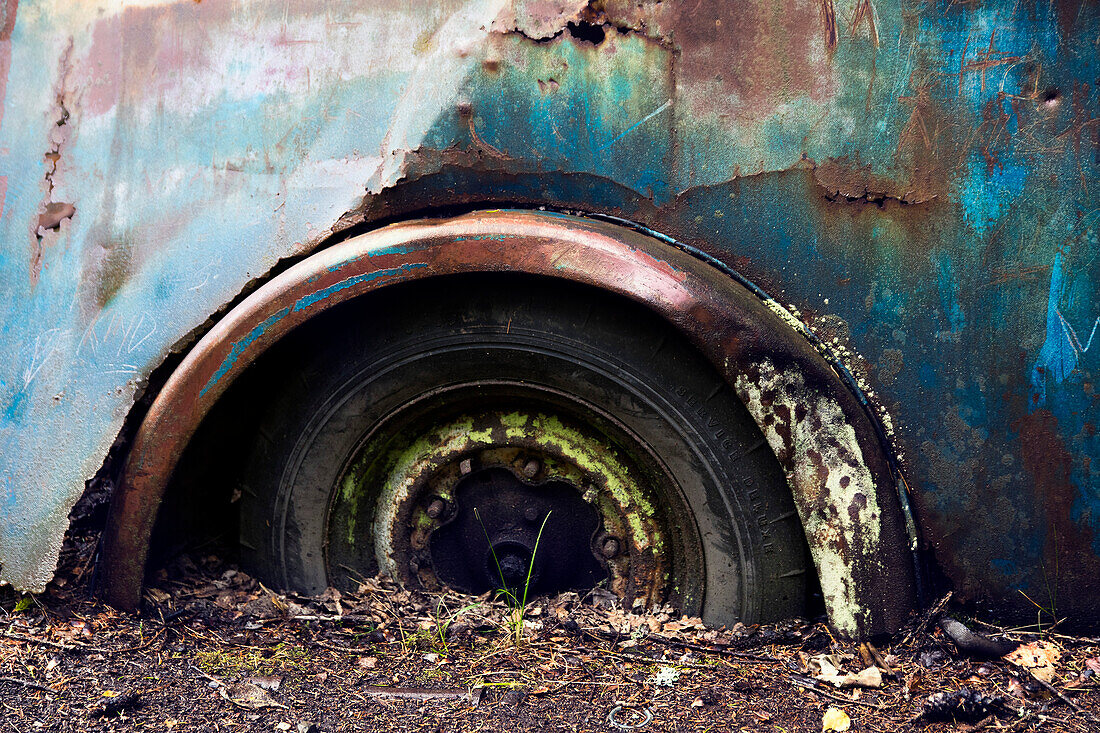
923,174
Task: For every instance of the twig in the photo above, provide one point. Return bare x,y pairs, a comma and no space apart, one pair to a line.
928,617
27,683
44,642
419,693
210,677
1058,694
812,687
81,648
138,648
740,656
664,662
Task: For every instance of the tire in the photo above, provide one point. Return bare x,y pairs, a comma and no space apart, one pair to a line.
416,352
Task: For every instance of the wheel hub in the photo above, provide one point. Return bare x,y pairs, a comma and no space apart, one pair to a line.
505,532
483,498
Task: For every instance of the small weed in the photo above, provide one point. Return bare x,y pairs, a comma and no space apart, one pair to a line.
1047,610
518,603
443,623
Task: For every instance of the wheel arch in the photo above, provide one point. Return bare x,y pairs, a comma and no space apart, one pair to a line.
837,463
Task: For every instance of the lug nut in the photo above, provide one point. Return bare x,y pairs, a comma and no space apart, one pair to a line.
531,468
531,514
610,547
437,508
465,466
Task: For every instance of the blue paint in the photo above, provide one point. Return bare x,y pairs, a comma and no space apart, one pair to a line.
301,304
393,249
1058,358
324,293
240,345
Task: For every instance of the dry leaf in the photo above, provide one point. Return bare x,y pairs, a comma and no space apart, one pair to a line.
265,683
157,595
1039,657
869,677
247,695
835,719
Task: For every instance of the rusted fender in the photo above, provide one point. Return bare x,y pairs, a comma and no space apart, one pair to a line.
836,465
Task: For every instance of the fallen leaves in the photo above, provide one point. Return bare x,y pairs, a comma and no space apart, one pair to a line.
835,719
250,696
824,668
1038,657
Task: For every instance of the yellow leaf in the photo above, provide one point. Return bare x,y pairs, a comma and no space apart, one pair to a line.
835,719
110,693
1039,657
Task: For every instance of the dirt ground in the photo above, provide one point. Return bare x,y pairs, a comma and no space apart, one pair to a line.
216,651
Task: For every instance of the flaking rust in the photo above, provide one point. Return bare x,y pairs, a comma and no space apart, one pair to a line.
931,173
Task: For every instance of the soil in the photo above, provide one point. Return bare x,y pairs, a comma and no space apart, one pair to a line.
214,650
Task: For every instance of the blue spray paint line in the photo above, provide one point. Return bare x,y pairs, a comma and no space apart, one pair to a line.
241,345
635,126
1057,358
307,300
299,305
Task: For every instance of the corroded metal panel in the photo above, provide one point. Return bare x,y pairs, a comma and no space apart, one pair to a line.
917,179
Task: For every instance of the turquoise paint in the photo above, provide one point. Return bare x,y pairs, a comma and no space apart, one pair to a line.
301,304
312,299
241,345
986,294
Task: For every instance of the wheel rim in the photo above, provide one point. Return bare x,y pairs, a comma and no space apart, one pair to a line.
459,487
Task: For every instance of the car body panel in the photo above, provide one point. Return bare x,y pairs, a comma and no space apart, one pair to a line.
917,180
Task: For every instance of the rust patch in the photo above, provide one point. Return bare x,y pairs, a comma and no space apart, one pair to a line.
983,61
541,20
929,153
828,22
58,136
55,213
8,9
739,60
864,14
1050,465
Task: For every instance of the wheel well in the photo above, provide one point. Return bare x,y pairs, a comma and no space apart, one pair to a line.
198,509
819,430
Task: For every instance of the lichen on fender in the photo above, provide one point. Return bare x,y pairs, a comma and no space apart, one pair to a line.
833,488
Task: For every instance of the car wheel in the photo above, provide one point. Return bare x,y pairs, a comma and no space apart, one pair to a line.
485,432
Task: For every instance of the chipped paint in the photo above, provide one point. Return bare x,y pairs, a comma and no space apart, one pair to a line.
923,174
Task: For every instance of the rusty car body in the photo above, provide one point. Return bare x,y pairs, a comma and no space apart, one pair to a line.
878,220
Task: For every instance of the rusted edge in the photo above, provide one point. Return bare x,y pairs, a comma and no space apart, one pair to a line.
838,469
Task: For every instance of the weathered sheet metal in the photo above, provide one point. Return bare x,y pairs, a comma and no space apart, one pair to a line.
917,178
